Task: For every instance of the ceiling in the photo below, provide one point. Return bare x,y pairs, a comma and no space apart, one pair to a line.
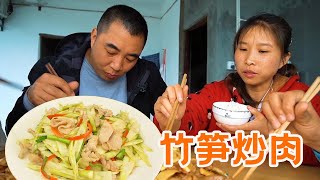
155,2
99,2
151,8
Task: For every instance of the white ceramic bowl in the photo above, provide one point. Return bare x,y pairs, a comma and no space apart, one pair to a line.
231,113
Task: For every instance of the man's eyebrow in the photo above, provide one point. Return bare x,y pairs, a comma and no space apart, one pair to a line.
112,46
134,55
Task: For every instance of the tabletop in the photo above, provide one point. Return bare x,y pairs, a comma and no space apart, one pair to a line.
263,172
283,171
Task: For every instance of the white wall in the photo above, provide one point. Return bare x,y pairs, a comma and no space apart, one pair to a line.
170,41
19,42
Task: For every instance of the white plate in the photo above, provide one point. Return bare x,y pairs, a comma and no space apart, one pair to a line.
149,133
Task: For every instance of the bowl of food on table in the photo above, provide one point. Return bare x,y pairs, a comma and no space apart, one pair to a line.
231,113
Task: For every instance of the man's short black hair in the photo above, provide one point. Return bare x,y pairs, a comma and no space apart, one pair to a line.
132,20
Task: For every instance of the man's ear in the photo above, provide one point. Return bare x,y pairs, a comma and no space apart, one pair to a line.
93,36
285,60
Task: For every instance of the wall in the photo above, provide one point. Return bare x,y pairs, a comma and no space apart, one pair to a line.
305,41
221,30
303,18
19,42
302,15
170,41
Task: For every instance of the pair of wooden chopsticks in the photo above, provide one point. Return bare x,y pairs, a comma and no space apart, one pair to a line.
175,106
51,70
312,91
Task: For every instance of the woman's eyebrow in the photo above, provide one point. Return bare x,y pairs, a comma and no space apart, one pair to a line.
242,42
260,44
265,44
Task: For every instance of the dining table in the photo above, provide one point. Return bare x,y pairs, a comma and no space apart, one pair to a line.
5,173
264,172
284,171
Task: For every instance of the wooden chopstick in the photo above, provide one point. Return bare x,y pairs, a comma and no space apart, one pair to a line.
175,106
51,70
308,96
315,91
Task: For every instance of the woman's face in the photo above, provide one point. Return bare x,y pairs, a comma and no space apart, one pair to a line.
258,57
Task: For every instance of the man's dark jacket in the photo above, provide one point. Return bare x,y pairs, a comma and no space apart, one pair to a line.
144,82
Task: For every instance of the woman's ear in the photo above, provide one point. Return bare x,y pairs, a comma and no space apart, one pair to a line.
93,36
285,60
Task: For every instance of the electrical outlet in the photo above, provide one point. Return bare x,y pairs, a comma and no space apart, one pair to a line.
230,65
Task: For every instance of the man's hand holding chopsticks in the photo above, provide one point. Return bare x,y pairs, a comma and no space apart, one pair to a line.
48,87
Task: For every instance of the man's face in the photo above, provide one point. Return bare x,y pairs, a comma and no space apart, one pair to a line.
115,51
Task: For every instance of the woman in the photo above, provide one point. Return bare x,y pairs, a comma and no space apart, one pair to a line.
261,53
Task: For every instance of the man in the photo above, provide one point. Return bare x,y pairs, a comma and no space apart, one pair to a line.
104,63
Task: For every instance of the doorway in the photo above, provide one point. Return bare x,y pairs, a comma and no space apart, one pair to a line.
196,56
48,44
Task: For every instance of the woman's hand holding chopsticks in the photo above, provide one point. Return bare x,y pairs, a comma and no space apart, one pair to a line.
50,86
304,119
165,106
